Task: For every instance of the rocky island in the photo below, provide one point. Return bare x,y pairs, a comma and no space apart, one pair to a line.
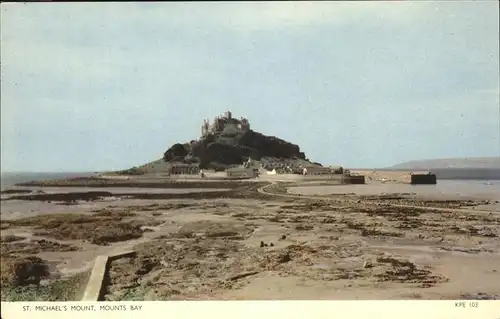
229,141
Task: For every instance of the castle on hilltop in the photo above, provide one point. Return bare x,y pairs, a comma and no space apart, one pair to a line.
225,124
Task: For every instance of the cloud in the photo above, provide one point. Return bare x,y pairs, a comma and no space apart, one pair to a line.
101,68
240,16
493,92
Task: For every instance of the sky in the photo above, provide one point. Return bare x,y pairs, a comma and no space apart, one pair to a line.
105,86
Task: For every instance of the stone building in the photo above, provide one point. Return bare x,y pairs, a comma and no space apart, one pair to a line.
242,172
183,169
226,124
249,169
317,170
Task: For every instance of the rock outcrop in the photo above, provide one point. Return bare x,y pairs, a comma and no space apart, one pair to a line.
223,151
176,153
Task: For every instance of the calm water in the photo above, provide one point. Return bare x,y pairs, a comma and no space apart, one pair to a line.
10,179
463,173
482,189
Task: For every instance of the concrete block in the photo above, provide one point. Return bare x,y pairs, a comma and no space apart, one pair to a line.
124,254
94,291
97,281
355,179
423,179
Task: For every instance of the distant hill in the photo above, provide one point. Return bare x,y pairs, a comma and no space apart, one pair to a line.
455,163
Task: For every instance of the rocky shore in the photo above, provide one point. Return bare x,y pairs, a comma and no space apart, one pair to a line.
269,243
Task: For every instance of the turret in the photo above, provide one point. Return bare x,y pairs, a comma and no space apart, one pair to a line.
215,124
244,124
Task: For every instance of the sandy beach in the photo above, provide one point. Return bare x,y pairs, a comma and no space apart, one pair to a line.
266,239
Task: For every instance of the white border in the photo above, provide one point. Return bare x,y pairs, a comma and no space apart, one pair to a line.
451,309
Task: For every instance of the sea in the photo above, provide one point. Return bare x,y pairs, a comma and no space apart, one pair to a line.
9,179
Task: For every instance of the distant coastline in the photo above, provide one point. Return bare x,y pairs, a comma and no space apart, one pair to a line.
451,163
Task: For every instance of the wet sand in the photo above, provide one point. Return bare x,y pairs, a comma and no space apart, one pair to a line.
258,242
